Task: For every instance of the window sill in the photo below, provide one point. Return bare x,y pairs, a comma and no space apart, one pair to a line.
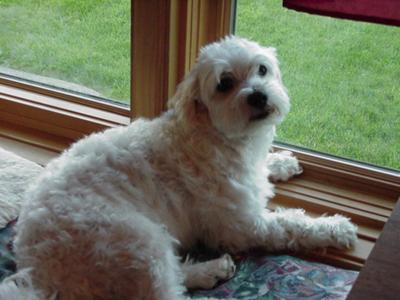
331,185
48,112
21,86
26,149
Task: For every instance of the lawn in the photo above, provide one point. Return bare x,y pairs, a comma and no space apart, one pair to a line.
343,77
82,41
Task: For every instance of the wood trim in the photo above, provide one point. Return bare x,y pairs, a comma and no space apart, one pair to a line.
167,36
86,100
208,21
346,172
330,185
25,97
29,136
177,45
150,57
31,152
51,115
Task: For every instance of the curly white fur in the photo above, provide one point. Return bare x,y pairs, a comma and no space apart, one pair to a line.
107,218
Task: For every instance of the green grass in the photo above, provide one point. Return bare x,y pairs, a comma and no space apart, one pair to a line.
343,78
84,42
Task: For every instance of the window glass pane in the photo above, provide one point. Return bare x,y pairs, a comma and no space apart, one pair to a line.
343,78
81,46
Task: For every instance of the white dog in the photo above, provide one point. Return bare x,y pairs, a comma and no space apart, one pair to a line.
108,217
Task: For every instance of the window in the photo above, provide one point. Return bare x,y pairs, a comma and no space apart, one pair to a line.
345,102
64,68
81,47
342,76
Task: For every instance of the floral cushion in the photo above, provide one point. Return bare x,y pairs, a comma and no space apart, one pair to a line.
257,276
7,262
283,277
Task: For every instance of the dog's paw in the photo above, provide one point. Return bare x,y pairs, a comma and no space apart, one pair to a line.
219,269
283,165
343,232
227,267
206,275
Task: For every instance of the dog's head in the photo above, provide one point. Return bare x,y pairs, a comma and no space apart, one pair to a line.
237,84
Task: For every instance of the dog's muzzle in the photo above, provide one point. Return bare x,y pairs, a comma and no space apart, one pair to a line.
258,102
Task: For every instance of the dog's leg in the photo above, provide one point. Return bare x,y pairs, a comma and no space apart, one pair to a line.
283,165
292,229
287,229
121,256
205,275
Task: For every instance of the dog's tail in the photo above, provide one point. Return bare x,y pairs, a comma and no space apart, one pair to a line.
19,287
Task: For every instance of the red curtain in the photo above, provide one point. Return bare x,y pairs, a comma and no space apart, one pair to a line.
377,11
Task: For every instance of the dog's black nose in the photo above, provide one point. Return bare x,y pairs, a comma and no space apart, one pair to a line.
257,100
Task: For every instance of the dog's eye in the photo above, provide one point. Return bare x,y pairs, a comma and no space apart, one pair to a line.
225,84
262,70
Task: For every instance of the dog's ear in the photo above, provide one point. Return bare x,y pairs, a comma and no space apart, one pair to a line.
186,100
272,51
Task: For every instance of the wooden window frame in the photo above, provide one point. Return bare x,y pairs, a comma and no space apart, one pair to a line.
167,35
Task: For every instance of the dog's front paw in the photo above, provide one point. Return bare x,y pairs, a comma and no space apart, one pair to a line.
343,232
222,268
283,165
205,275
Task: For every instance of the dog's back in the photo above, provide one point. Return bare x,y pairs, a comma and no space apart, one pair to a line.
93,225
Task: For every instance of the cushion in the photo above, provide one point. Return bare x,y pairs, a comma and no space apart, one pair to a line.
261,276
16,173
7,261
